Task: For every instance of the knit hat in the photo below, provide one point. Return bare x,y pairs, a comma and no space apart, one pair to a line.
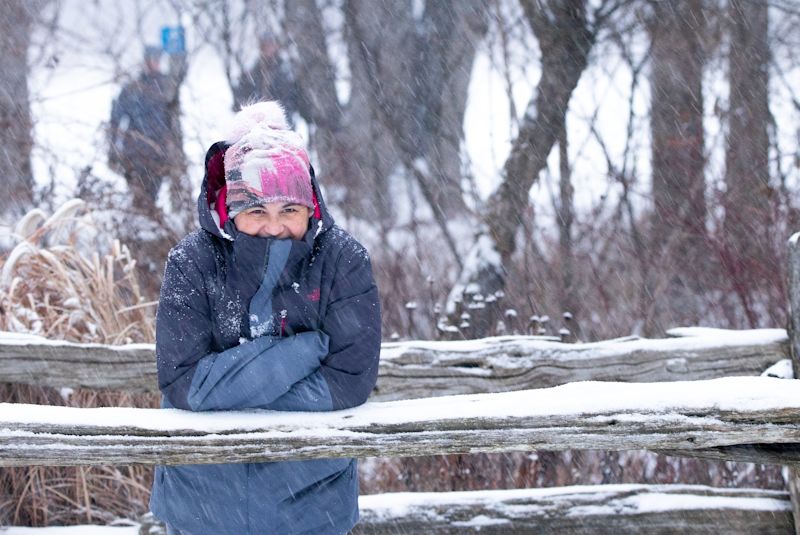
266,161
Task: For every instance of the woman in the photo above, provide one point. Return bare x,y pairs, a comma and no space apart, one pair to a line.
269,305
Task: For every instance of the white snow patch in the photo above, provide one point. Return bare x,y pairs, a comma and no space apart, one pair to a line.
72,530
22,339
481,520
541,501
641,402
702,339
482,256
781,369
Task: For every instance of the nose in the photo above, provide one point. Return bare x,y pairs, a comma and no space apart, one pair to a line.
272,228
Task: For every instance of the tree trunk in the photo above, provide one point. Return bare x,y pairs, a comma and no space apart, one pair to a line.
678,224
408,88
16,186
566,216
748,214
353,156
378,116
183,202
565,41
443,70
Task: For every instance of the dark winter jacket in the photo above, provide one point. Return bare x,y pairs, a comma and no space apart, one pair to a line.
260,323
140,116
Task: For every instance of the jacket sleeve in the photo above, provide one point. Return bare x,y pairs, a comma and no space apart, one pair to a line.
251,375
352,321
310,394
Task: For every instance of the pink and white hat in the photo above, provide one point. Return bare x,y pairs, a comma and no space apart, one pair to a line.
266,162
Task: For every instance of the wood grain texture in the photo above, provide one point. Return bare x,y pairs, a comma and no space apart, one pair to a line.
606,509
736,412
425,369
590,510
41,362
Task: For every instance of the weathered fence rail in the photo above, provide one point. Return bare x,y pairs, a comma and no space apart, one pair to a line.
590,510
596,510
680,416
424,369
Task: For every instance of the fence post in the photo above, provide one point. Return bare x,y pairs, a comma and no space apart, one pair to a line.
794,342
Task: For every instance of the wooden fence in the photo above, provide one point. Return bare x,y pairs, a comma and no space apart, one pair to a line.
589,510
424,369
669,395
735,418
582,510
745,418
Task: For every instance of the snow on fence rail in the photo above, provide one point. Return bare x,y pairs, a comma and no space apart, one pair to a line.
596,510
690,418
424,369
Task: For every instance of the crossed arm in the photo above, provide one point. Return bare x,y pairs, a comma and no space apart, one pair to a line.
327,369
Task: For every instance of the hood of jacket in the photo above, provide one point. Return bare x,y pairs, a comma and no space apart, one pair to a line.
212,212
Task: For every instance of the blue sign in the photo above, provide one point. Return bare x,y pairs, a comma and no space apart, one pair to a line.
173,39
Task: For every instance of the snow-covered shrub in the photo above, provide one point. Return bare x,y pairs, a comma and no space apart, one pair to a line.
64,280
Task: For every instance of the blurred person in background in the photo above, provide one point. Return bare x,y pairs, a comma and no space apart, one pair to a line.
141,138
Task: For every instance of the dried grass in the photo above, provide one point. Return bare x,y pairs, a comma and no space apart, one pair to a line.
53,285
56,283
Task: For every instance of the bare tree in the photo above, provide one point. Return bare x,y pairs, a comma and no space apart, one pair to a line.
16,188
748,214
565,39
678,224
409,77
565,220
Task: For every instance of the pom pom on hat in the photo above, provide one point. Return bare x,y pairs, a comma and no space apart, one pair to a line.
266,162
269,113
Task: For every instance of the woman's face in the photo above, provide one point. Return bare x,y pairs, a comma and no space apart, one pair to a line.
274,220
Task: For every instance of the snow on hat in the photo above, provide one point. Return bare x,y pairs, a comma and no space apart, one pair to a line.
266,161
